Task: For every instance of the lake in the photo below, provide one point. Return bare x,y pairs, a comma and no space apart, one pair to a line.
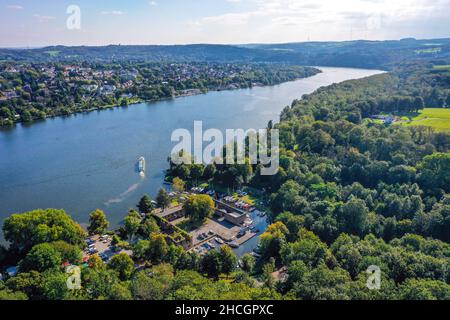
88,161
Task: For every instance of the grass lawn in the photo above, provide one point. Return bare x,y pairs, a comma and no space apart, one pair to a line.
439,119
247,199
442,67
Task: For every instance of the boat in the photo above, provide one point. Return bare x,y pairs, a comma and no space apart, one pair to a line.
142,166
234,245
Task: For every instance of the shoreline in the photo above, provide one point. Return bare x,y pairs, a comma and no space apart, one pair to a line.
136,101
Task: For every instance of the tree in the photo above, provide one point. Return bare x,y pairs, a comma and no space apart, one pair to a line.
26,116
158,248
273,238
41,257
140,250
98,224
354,216
228,260
8,295
163,199
199,207
308,249
435,171
132,222
123,264
23,231
268,269
209,172
197,171
424,289
178,184
149,226
211,264
146,205
54,286
28,283
145,287
286,196
248,263
68,252
419,104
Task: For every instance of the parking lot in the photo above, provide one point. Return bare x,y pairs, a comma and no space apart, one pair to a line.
215,233
101,245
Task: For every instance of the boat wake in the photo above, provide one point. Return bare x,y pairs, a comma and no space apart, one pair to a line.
123,195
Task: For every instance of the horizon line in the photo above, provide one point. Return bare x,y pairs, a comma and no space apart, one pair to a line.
214,44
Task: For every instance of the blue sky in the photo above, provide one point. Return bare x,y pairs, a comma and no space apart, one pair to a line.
38,23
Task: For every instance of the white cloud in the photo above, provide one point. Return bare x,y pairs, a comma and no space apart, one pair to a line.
294,19
112,13
43,18
153,3
15,7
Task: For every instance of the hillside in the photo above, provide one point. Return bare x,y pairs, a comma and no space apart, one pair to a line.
363,54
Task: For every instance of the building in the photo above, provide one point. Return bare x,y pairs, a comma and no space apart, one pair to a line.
230,214
171,214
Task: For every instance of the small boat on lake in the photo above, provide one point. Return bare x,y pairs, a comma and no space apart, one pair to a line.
141,166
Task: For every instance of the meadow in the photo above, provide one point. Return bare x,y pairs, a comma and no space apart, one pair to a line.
439,119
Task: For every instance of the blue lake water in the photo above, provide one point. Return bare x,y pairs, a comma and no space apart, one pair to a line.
88,161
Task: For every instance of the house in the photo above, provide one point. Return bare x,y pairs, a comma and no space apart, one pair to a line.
108,89
90,87
386,119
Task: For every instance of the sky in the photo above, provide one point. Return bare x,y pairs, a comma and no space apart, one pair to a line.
34,23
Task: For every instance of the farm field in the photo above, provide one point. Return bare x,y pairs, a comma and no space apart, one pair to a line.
439,119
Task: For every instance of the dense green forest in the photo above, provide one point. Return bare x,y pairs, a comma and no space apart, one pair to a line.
350,193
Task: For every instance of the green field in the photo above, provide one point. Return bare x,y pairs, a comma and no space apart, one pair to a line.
428,51
53,53
436,118
441,67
